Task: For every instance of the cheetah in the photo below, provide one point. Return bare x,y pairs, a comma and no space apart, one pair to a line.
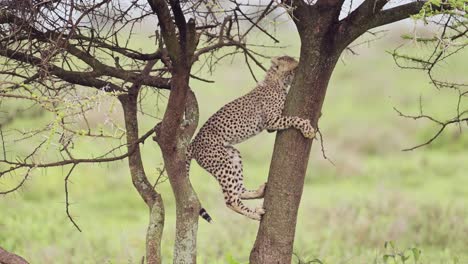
239,120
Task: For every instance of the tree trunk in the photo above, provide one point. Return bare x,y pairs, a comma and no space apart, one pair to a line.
274,243
187,209
173,135
152,199
174,132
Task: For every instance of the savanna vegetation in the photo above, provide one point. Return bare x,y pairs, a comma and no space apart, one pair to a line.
365,193
374,192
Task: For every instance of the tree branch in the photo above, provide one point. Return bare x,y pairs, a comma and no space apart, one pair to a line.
369,16
130,53
365,11
99,68
459,119
132,146
167,27
179,21
395,14
74,77
67,202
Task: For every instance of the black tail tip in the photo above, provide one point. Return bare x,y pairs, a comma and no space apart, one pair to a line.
205,215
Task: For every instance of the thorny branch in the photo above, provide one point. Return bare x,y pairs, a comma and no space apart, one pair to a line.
443,47
67,203
448,43
442,125
15,165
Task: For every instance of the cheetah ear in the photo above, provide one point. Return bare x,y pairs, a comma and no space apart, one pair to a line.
275,61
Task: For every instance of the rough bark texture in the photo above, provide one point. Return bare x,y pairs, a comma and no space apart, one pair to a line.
173,135
174,132
152,199
188,205
274,243
10,258
323,37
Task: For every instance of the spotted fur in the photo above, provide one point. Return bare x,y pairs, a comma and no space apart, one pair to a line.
239,120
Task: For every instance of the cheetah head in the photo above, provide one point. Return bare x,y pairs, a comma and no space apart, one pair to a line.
284,68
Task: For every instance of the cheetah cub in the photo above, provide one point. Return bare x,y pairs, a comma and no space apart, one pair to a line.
239,120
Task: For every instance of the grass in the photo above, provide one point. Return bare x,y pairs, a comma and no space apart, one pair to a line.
374,193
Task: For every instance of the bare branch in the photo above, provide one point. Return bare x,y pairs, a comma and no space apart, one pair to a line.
369,15
324,155
22,164
167,27
442,125
25,177
395,14
256,23
67,203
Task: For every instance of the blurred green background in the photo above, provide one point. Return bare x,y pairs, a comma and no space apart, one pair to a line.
374,193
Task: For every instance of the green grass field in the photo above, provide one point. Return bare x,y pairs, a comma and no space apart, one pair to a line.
374,193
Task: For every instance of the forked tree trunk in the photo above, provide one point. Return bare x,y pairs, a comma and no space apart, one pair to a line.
173,135
174,132
152,199
274,243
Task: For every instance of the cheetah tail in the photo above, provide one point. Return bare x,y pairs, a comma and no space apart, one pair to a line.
205,215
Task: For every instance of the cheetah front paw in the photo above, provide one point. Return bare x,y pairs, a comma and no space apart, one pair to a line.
261,190
259,212
308,130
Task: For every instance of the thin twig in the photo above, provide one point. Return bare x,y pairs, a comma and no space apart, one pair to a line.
250,68
323,147
161,174
443,125
67,203
20,184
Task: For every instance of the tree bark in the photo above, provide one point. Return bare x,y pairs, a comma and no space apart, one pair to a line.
323,38
173,135
274,243
10,258
174,132
188,205
152,199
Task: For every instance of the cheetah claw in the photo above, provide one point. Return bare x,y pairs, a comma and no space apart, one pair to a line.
309,134
307,129
260,211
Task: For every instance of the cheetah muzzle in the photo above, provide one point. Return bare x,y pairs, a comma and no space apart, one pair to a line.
239,120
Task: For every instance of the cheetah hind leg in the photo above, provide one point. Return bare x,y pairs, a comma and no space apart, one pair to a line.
232,197
253,194
233,187
236,164
239,207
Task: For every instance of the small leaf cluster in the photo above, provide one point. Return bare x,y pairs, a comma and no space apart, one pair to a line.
438,7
